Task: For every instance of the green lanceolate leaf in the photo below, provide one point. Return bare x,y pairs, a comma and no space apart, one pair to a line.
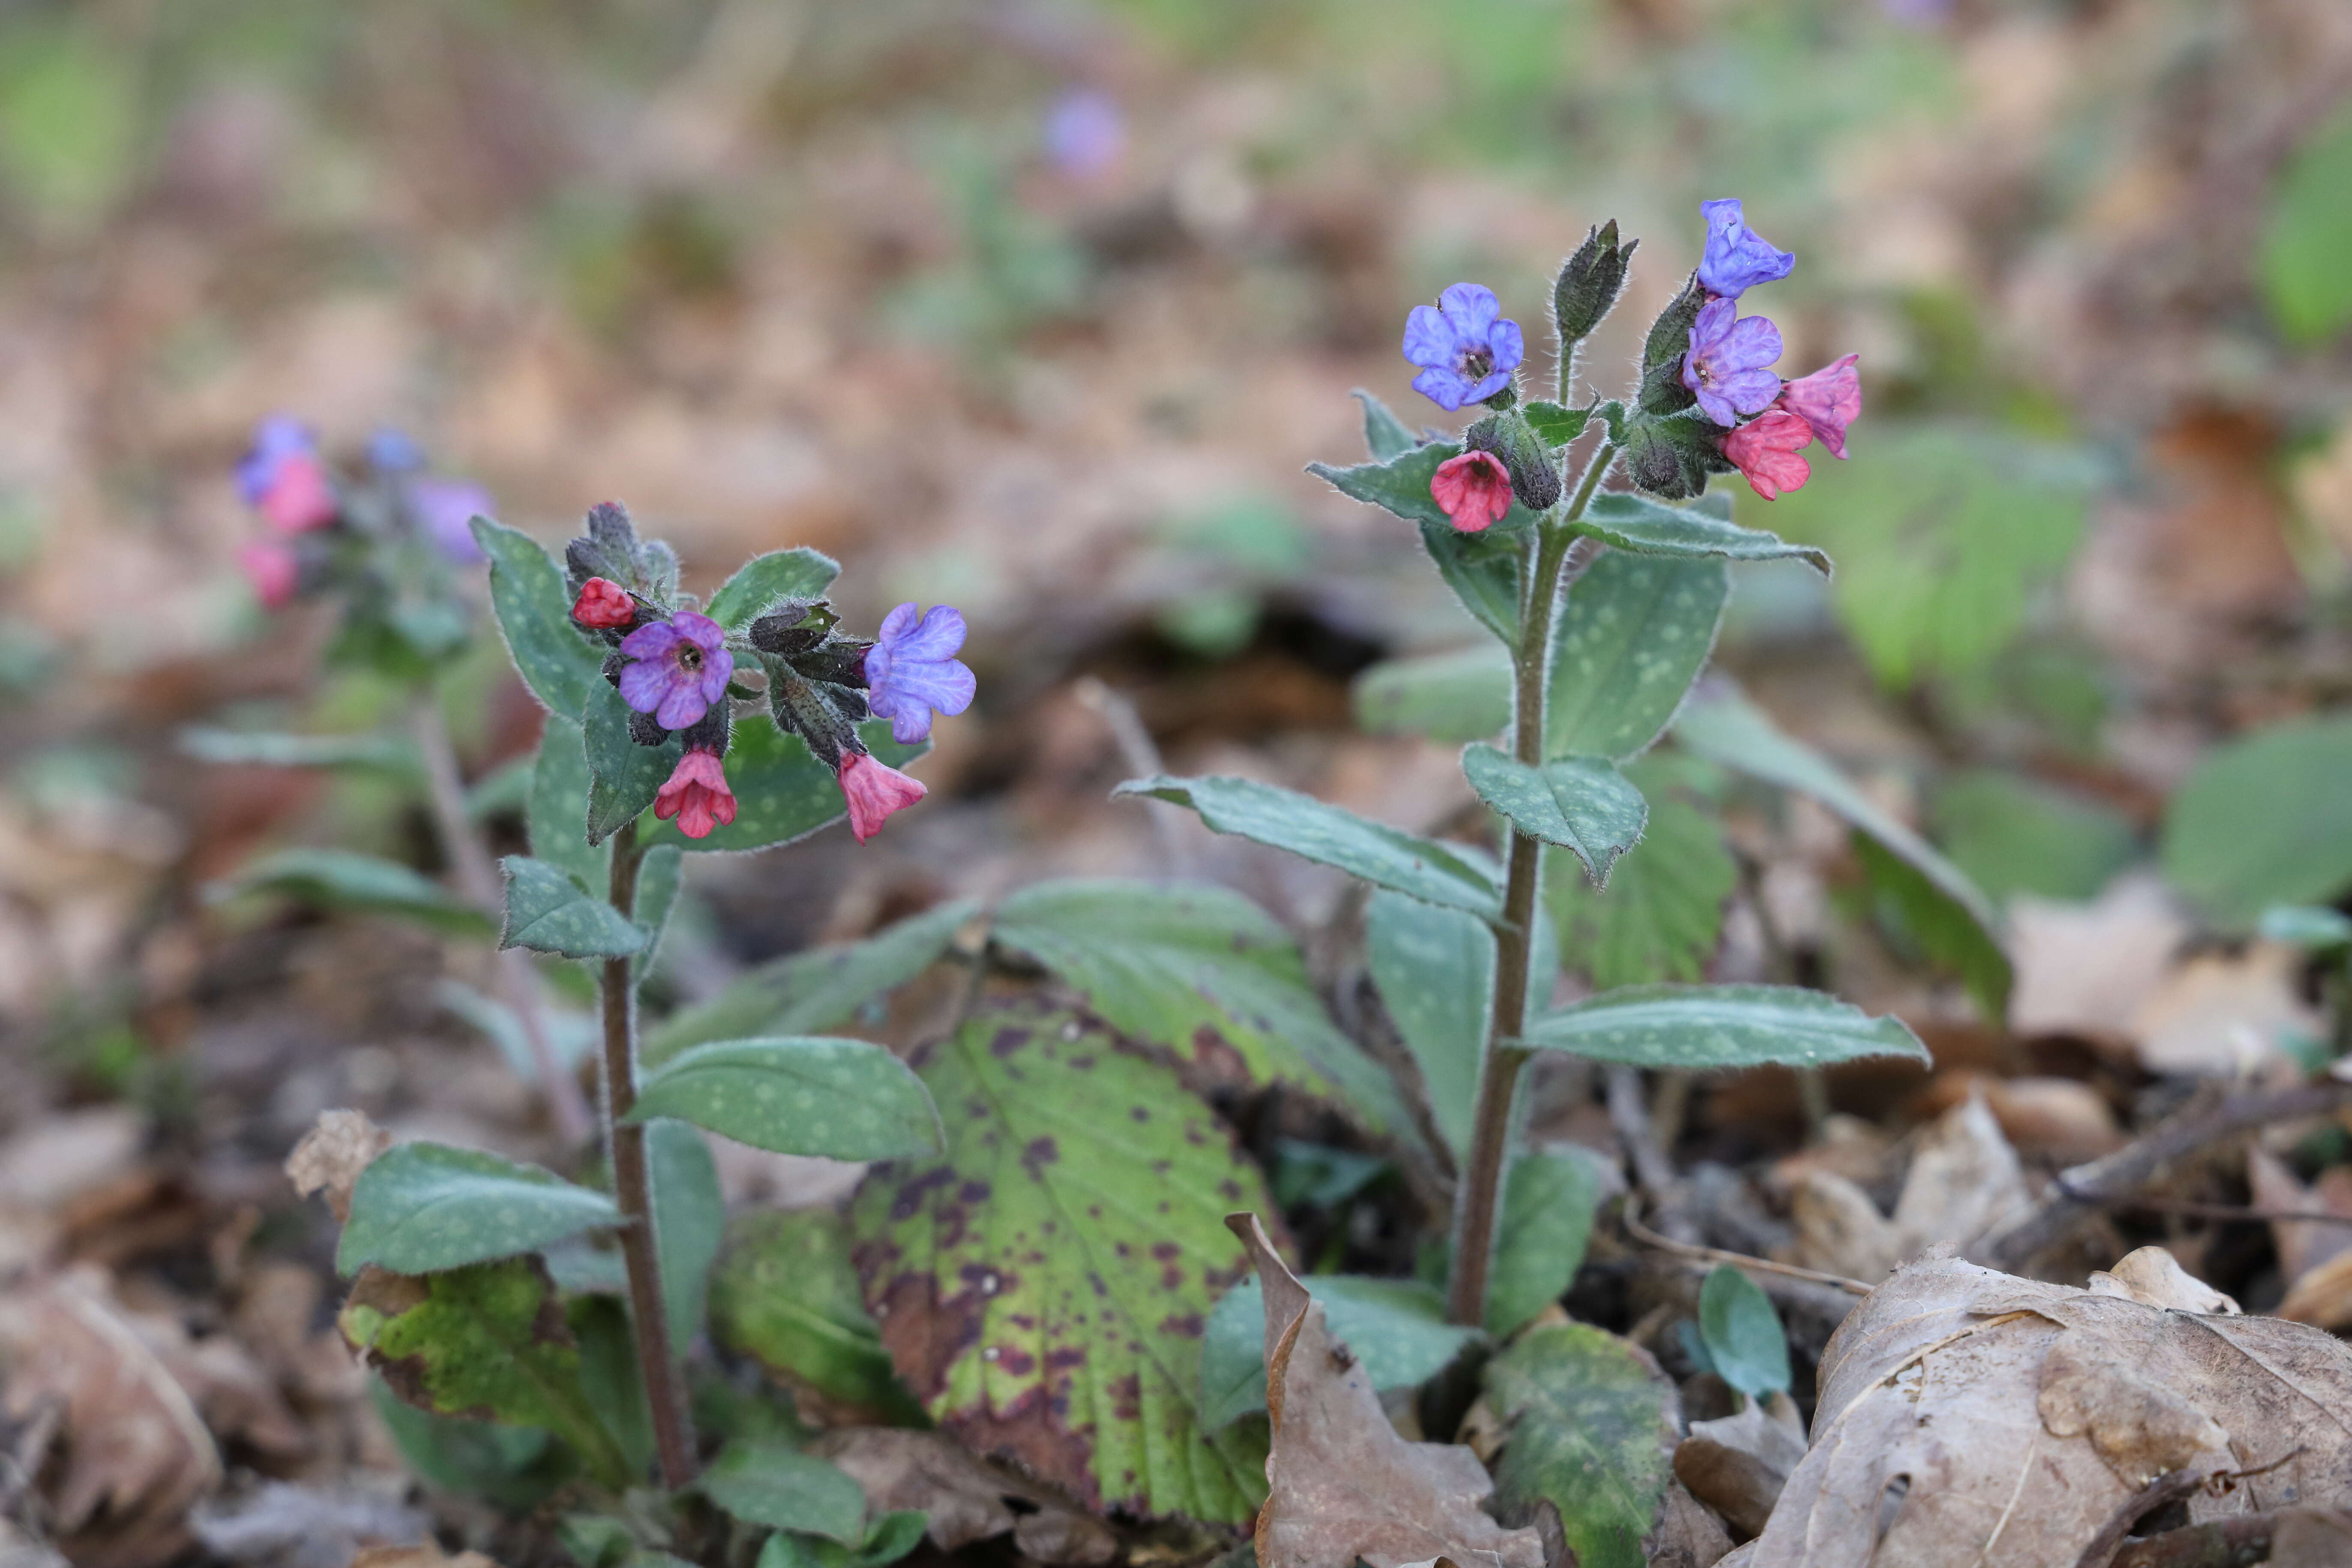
1401,485
556,811
488,1342
1916,913
802,573
1061,1260
1385,435
547,911
1554,426
210,744
1704,1026
2306,233
608,1369
346,880
1743,1335
1663,913
1581,803
1548,1203
2266,819
844,1100
419,1207
1436,971
816,989
1384,856
623,776
782,792
1588,1426
1396,1328
1483,569
1647,527
785,1294
661,876
1635,632
1460,696
2014,835
766,1483
534,614
690,1216
1165,964
1721,725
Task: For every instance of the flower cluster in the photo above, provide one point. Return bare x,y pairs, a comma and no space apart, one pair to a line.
678,671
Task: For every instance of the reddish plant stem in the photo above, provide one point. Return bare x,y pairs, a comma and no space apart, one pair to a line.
673,1422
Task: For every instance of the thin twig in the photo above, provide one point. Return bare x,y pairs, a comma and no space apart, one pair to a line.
2189,1209
1642,1233
1140,756
2169,1487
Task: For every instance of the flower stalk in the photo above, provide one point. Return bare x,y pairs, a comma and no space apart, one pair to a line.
673,1422
1478,1199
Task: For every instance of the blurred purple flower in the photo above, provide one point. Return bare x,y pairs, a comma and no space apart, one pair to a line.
1467,351
446,510
1730,363
1084,133
1737,258
912,669
394,452
1915,13
276,441
681,667
283,478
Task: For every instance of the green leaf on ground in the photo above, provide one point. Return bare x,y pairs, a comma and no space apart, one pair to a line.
785,1294
1917,914
1635,633
803,1094
2306,234
2012,835
1457,697
547,911
802,573
1396,1327
1436,971
562,667
767,1483
1581,803
689,1215
513,1468
820,989
556,811
1548,1203
1743,1335
1164,964
1385,435
1384,855
1647,527
346,880
1663,913
486,1342
1708,1027
419,1207
387,753
1060,1261
1588,1425
2264,820
1723,726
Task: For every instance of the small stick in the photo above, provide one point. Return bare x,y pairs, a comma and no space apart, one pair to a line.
1739,1261
1140,756
2189,1209
2169,1487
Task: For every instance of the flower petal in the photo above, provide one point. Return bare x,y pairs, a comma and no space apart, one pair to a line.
1428,337
645,685
1446,388
654,639
1472,307
1509,344
940,636
682,705
1751,343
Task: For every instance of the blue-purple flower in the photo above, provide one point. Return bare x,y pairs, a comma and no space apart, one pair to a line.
1084,133
1728,364
446,510
1467,351
1737,258
912,669
284,478
681,666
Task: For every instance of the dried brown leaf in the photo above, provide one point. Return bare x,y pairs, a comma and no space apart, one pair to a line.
1972,1419
1738,1465
1965,1184
333,1154
901,1469
1342,1484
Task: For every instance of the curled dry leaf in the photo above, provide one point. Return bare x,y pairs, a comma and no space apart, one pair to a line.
899,1468
1965,1184
1972,1419
333,1154
2314,1257
1342,1484
1738,1464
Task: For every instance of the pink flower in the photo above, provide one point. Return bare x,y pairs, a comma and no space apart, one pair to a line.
1765,449
697,795
1474,490
874,791
299,496
272,570
605,605
1829,400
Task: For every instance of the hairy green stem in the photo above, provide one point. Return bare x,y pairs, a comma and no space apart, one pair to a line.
1479,1198
673,1422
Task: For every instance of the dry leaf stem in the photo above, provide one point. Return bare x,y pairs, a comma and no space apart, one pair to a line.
1479,1198
673,1424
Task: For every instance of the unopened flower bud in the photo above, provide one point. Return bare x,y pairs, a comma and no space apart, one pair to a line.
788,629
1534,475
646,729
1588,284
1662,391
1673,457
604,605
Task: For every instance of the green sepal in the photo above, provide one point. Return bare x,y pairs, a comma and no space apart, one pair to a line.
1535,472
1662,391
1672,456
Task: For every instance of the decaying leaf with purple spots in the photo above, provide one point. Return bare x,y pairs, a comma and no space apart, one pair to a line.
1343,1484
1043,1286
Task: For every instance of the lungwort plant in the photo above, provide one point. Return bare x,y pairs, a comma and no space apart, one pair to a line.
1040,1268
